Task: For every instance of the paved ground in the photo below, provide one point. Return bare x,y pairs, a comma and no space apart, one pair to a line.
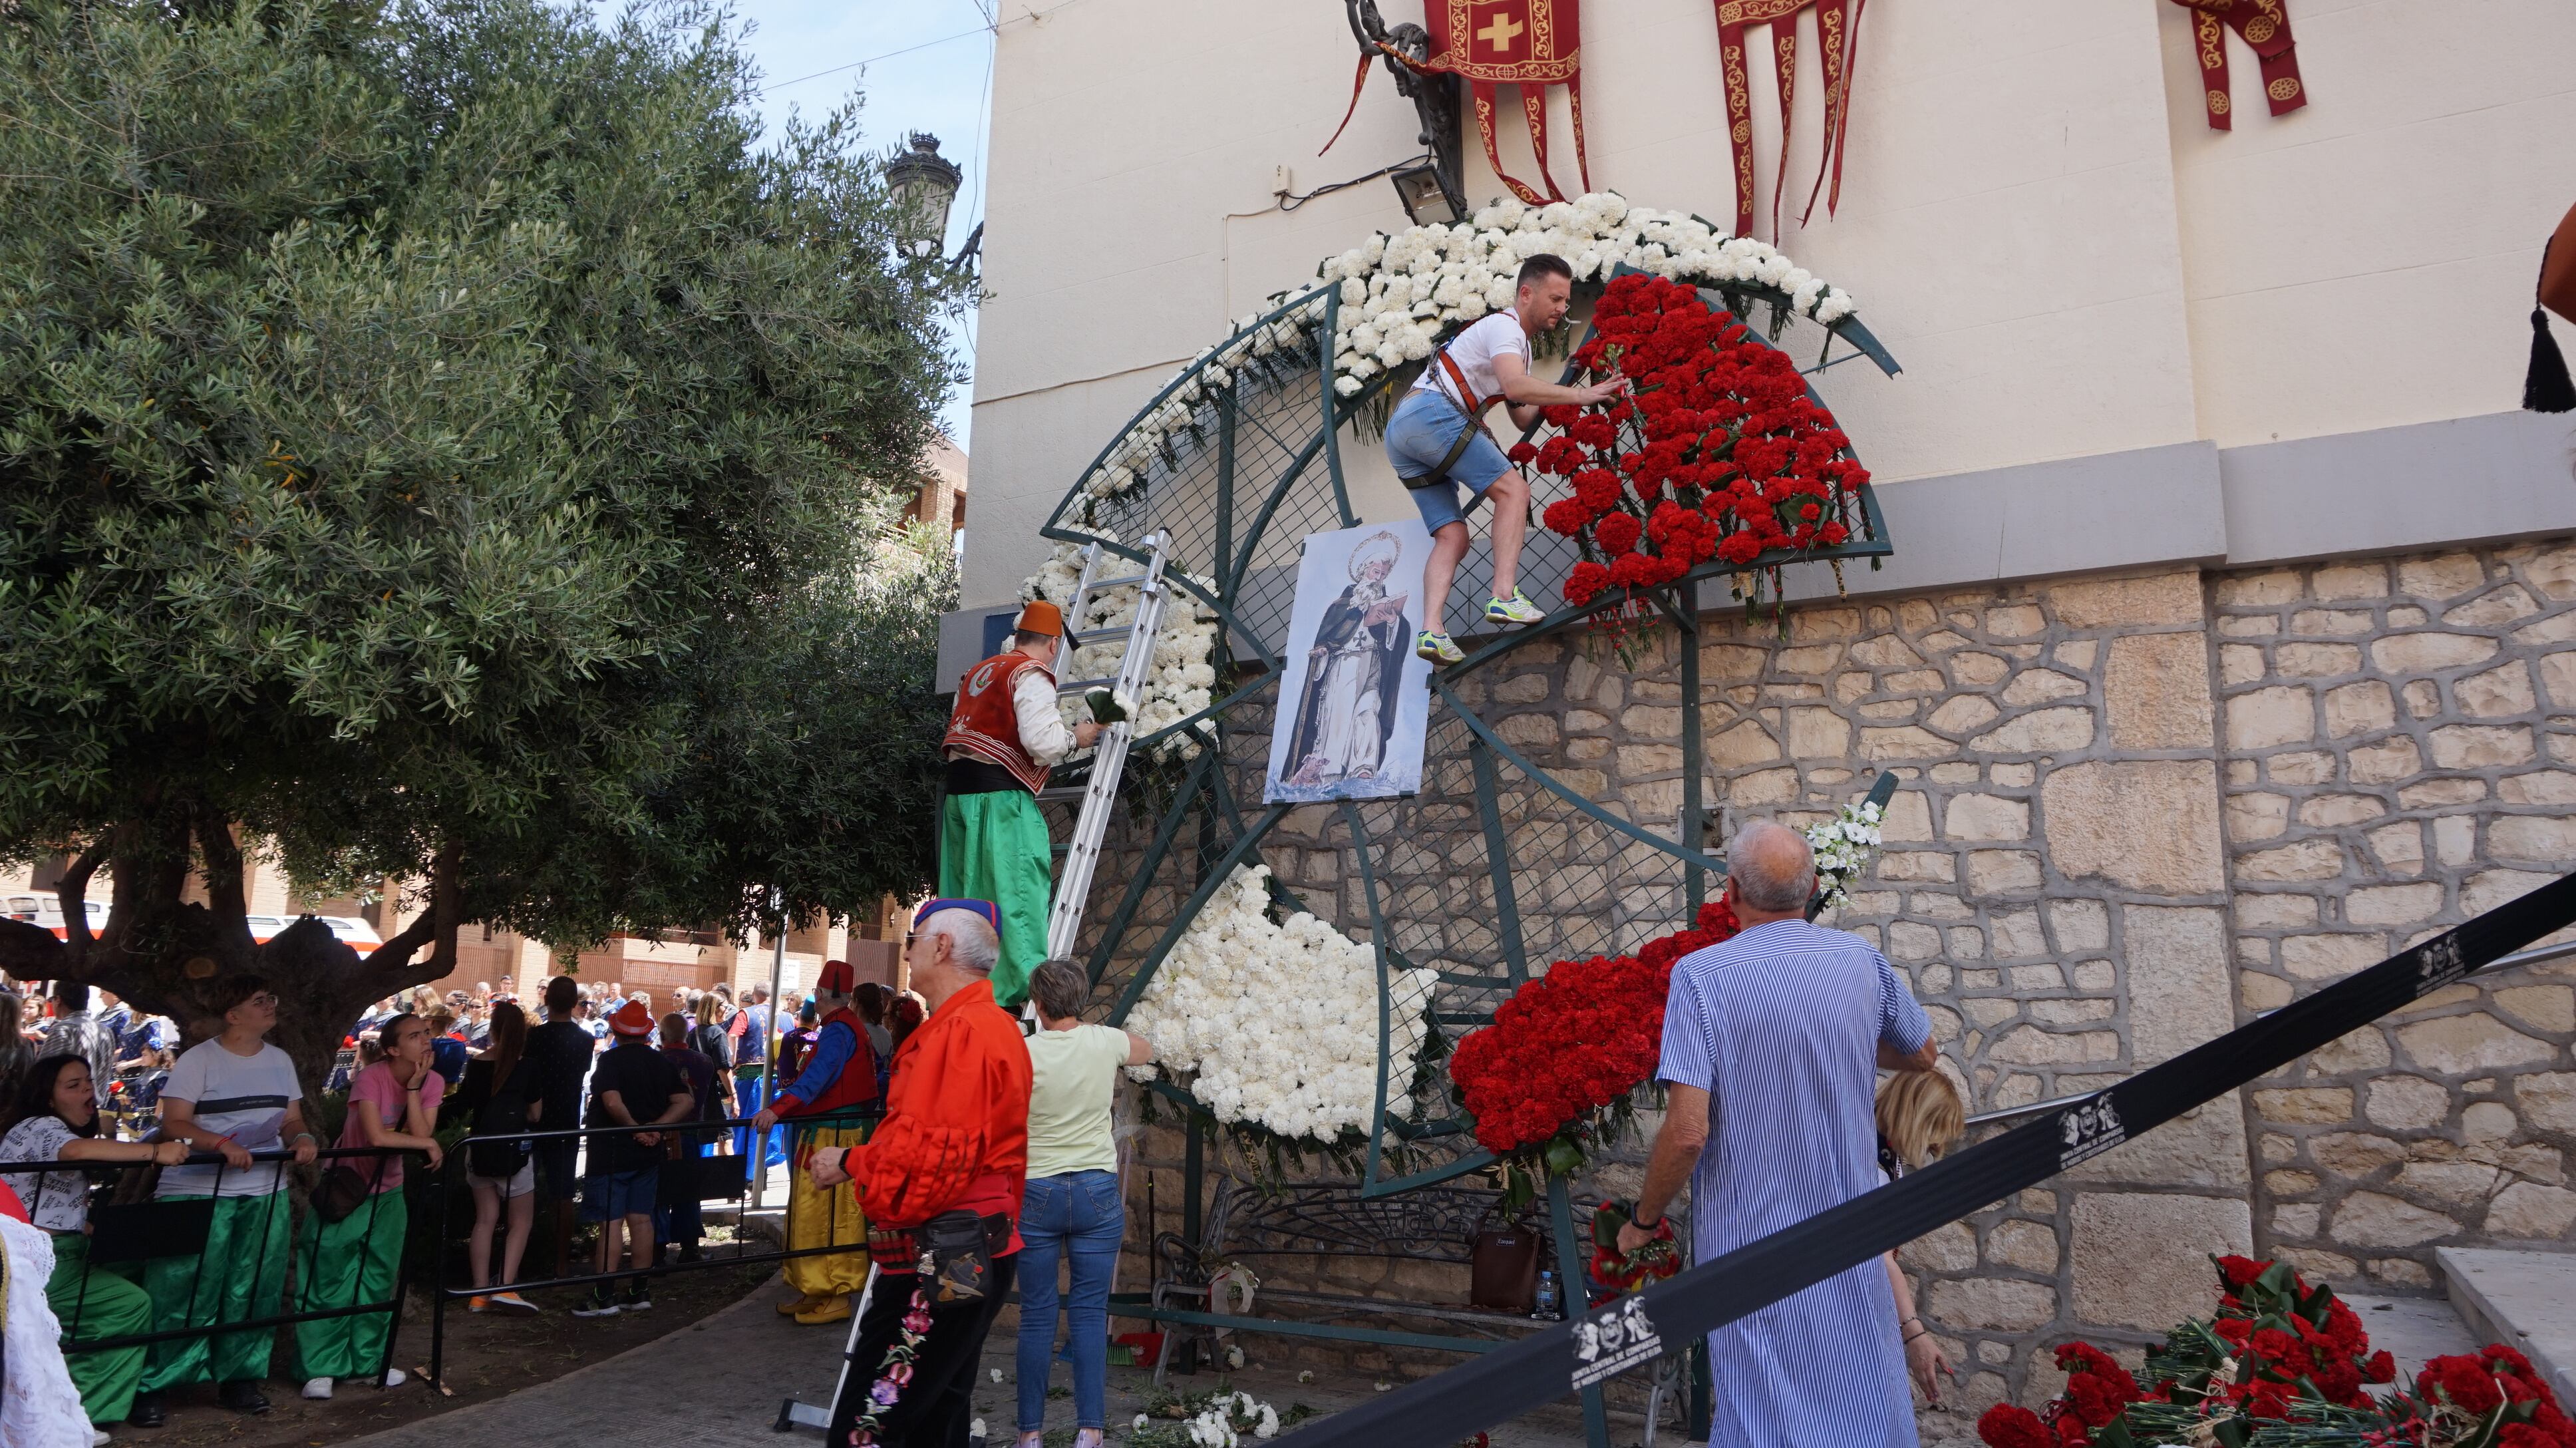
717,1384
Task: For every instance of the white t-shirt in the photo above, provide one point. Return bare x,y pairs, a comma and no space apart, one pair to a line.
1474,351
243,1097
1072,1074
57,1201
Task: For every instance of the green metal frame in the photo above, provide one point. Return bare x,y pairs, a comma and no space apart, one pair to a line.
1226,838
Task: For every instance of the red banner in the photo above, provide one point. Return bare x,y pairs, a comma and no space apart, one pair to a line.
2264,25
1838,46
1532,44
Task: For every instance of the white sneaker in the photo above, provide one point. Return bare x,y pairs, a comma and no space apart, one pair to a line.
396,1377
98,1438
317,1388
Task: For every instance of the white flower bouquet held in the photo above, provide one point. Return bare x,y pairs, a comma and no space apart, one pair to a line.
1276,1026
1844,846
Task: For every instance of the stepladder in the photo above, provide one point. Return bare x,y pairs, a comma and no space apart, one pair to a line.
1125,685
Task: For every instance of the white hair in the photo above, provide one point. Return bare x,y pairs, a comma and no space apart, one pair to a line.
971,942
1771,866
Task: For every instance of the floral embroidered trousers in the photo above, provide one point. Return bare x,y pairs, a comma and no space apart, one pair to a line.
933,1408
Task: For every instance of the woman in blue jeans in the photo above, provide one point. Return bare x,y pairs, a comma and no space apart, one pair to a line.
1072,1209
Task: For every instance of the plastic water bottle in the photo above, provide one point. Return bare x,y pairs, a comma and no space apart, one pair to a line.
1547,1310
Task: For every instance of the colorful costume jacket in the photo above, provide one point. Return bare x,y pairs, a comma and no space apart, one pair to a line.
956,1128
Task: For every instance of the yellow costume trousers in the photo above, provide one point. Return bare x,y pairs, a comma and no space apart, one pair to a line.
816,1218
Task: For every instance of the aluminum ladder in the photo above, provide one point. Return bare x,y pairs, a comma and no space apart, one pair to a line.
1109,758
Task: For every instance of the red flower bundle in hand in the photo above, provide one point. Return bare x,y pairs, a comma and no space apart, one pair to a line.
1571,1042
1718,453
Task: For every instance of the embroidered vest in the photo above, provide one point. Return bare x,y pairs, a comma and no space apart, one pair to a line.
858,1081
985,726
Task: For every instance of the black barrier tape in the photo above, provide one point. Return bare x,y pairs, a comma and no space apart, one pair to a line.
1548,1365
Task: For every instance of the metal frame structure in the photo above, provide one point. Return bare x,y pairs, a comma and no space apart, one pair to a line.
1230,494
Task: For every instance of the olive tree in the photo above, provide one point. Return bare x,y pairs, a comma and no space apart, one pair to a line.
446,443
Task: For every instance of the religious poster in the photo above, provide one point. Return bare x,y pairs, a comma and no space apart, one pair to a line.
1354,700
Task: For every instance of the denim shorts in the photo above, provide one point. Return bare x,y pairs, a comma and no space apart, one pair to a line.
1424,428
607,1195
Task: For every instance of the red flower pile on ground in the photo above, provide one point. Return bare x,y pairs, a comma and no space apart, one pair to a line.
1574,1040
2499,1377
1718,453
2278,1358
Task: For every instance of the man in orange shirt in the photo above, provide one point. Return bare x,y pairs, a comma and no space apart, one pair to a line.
954,1140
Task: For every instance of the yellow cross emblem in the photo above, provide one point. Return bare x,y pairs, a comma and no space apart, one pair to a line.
1501,31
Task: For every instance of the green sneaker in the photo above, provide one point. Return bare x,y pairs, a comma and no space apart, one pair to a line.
1439,648
1513,610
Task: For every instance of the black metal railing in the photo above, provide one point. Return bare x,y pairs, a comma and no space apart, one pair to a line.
711,1178
165,1229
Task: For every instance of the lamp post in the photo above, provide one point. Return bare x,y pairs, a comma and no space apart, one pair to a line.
923,184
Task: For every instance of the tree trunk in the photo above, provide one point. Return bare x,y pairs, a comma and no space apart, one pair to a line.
166,954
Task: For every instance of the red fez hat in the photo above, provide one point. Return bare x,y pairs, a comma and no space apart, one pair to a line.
631,1019
835,979
1040,617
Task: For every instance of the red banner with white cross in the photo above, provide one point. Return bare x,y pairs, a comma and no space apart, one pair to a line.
1532,44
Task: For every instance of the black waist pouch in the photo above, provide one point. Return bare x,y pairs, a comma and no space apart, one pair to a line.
956,1255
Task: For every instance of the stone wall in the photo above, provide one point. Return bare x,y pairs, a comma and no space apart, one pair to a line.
2399,736
2134,812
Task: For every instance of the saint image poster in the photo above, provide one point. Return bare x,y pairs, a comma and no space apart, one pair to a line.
1354,700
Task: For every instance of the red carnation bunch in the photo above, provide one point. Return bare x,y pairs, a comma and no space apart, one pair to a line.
2497,1382
1573,1041
2283,1364
1718,452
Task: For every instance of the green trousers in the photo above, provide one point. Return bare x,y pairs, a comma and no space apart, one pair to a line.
91,1305
355,1259
242,1275
995,847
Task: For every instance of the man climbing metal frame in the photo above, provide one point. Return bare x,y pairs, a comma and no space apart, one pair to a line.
1004,734
1437,441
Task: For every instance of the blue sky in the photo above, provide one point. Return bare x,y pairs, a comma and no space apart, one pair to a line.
927,67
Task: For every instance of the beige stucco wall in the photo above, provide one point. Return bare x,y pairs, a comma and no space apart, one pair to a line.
2035,217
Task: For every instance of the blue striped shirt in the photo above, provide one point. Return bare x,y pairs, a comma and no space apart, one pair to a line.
1780,1026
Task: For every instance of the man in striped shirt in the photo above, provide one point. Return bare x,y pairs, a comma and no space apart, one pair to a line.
1770,1044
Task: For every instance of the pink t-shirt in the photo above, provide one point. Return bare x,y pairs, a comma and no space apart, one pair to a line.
377,1089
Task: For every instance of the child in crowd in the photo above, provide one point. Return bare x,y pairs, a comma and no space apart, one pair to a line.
1919,1118
357,1259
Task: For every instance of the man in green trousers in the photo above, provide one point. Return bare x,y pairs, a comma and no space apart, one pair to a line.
1004,734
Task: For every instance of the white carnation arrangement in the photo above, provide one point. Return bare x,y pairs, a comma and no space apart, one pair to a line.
1401,290
1279,1023
1844,846
1183,678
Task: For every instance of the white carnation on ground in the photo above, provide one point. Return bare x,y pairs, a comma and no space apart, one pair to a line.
1277,1025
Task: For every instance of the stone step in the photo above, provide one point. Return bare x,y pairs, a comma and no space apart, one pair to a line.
2415,1330
2525,1300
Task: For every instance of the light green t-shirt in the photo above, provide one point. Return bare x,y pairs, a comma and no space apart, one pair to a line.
1072,1074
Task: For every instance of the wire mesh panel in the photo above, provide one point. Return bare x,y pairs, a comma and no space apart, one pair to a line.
1516,853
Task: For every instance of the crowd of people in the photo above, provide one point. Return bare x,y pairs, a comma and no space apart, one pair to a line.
87,1089
943,1155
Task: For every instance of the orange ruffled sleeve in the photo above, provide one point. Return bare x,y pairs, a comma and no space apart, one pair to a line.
930,1147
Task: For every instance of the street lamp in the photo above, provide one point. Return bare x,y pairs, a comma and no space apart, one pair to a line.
1426,201
923,183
